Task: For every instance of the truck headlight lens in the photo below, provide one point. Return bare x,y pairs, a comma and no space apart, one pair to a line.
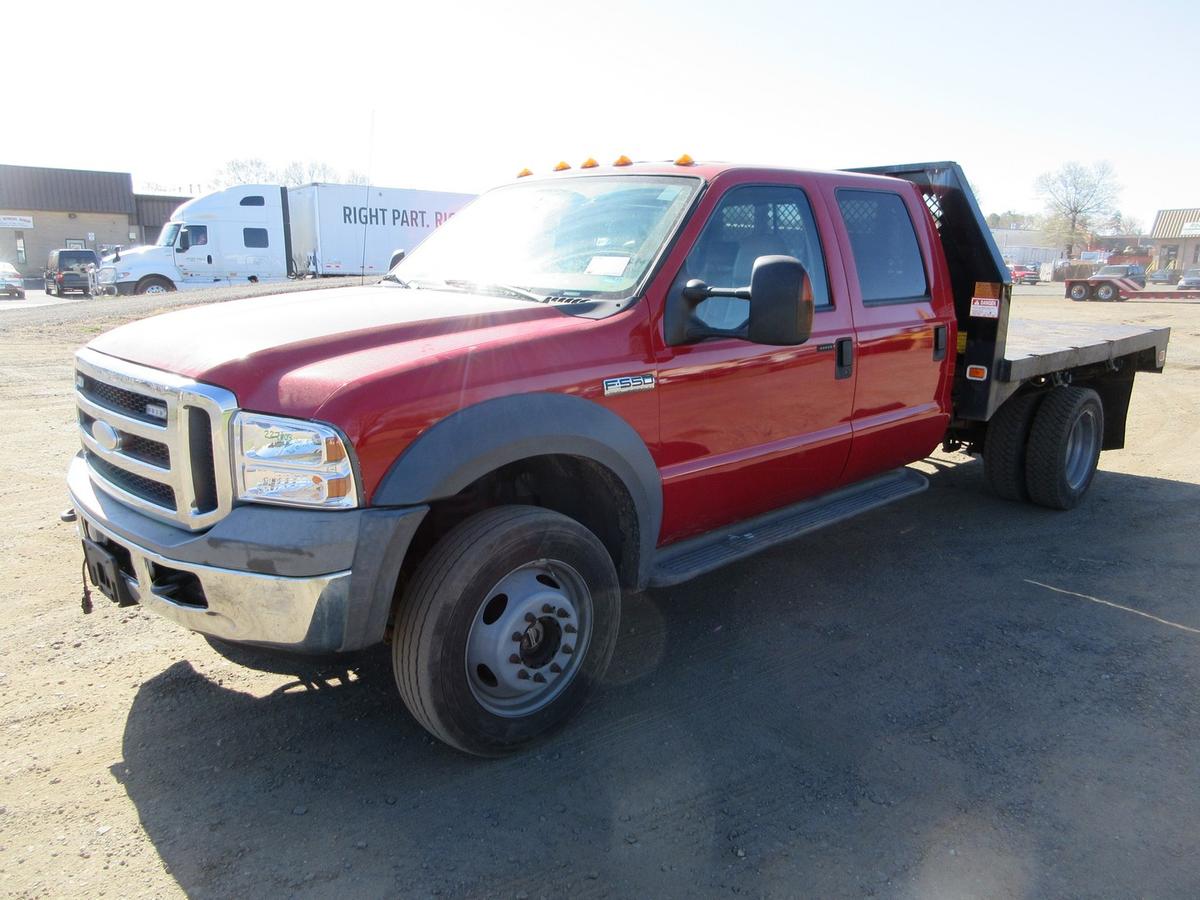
292,462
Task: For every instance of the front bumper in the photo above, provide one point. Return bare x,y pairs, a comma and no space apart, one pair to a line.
306,581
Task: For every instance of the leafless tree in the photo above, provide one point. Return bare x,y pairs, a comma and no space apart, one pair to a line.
1077,198
245,171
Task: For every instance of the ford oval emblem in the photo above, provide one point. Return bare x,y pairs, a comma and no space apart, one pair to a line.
106,436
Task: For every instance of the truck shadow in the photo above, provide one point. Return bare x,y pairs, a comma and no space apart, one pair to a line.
894,705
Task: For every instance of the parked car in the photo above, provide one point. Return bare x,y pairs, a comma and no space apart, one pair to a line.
1190,280
67,270
1025,275
1164,276
11,282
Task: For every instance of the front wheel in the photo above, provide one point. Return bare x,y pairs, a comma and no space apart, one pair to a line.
505,628
1079,291
154,285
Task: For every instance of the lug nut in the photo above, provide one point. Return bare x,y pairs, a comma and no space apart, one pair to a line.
539,678
555,668
530,617
562,613
514,659
569,629
523,675
568,649
516,636
547,608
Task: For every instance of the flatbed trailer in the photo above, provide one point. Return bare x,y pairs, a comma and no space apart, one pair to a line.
1110,289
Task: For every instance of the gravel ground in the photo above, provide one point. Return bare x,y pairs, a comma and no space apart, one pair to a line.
952,696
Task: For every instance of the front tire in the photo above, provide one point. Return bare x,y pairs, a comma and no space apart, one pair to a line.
1064,447
154,285
505,629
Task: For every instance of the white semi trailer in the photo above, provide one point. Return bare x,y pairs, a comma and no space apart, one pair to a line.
261,233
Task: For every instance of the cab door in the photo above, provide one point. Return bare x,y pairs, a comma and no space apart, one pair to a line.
746,428
197,254
904,318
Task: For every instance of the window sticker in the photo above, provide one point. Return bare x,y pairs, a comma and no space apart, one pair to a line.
607,265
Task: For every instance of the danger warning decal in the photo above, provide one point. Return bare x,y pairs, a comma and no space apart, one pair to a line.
985,308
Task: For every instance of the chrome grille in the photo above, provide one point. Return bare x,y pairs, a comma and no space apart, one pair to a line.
155,441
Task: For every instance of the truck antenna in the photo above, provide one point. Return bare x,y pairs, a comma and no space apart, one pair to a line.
367,199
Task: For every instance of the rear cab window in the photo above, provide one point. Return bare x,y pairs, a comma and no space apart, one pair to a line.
883,243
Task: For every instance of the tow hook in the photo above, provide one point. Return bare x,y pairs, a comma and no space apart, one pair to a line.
68,515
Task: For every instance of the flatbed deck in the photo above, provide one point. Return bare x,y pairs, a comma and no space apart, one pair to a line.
1041,348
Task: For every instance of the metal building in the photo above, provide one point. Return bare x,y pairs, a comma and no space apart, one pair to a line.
49,209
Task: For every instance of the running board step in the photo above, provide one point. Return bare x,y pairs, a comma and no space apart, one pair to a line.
695,556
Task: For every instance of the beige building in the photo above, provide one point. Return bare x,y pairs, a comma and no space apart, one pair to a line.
1175,238
51,209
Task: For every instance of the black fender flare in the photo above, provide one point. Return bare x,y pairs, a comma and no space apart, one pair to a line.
473,441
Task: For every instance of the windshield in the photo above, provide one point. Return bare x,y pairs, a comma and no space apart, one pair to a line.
593,236
169,233
1191,273
7,268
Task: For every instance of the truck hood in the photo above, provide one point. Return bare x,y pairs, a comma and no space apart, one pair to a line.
142,254
291,351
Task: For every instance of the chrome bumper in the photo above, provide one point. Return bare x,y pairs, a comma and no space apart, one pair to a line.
245,607
284,603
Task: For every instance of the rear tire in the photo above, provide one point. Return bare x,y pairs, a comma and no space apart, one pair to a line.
509,572
1004,450
1064,447
1106,292
1079,291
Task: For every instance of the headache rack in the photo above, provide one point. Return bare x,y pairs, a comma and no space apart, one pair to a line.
976,270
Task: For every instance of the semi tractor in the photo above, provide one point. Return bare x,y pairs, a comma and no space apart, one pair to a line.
262,233
585,384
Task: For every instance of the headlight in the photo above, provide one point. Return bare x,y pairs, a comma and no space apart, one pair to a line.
292,462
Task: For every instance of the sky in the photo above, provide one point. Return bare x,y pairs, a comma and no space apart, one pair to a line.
461,96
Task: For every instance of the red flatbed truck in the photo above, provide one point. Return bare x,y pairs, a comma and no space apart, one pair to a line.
586,383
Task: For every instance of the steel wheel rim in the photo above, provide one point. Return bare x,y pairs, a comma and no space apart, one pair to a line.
155,289
1081,448
528,638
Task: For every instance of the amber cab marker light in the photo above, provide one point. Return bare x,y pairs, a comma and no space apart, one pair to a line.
623,160
524,172
685,160
562,166
589,163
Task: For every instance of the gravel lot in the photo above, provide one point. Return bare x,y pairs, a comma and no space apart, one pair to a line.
951,696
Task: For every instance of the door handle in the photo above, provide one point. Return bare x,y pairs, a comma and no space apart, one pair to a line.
210,259
939,341
844,358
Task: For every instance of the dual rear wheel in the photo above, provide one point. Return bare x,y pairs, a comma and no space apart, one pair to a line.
1044,446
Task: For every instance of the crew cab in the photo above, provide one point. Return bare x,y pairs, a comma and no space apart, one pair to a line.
584,384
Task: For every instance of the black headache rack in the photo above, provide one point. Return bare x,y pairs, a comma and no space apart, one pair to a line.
976,270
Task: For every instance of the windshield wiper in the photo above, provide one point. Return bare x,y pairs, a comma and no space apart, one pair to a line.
484,287
393,277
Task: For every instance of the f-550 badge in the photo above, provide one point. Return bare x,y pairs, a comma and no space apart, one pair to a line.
627,384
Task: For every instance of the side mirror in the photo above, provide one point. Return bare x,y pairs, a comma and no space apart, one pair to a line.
185,240
397,257
781,306
781,302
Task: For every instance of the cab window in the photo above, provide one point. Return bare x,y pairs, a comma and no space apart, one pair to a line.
884,245
753,221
